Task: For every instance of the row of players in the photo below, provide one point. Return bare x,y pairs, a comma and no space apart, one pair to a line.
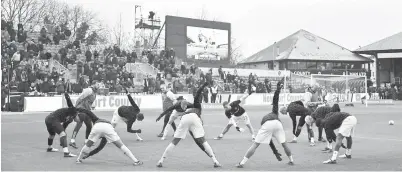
325,117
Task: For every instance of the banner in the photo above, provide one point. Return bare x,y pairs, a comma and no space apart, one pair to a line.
35,104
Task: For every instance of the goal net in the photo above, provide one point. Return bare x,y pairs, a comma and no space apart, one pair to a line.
340,88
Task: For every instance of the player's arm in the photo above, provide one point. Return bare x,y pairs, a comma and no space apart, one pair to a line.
68,100
101,145
130,125
198,94
65,124
171,108
132,102
276,97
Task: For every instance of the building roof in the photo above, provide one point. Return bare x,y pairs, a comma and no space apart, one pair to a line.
304,45
390,44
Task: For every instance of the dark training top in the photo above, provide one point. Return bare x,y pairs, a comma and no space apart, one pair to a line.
197,101
235,110
65,115
321,112
297,108
334,120
129,113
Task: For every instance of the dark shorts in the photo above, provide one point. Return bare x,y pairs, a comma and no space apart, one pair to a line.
53,126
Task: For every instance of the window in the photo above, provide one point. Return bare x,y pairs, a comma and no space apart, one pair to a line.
311,65
271,65
322,66
297,65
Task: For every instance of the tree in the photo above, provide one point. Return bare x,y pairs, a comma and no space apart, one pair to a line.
23,11
235,52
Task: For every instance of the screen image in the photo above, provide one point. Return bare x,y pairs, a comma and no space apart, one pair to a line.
207,44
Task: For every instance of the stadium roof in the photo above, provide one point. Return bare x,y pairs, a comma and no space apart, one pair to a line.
390,44
304,45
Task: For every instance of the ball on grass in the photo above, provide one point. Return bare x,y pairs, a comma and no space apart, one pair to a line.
391,122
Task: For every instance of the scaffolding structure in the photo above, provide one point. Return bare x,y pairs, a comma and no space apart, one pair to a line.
148,30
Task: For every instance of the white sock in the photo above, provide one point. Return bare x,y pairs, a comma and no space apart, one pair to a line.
209,150
290,158
330,145
348,151
165,132
168,149
65,150
220,135
84,149
294,138
244,161
72,140
128,153
334,155
312,140
138,136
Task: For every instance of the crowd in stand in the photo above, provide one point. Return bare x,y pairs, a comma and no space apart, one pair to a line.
25,67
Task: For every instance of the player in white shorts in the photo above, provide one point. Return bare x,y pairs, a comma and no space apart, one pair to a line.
172,113
191,122
346,124
104,130
236,115
271,127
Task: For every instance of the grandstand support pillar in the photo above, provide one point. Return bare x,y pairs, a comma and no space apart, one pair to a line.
377,71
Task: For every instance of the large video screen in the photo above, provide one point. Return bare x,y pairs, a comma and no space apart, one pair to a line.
200,42
207,44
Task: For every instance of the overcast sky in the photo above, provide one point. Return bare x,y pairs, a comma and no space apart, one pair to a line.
256,24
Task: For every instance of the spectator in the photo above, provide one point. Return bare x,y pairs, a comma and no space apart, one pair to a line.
60,86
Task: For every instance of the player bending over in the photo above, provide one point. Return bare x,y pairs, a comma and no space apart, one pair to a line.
271,127
171,114
104,130
84,101
191,121
346,124
168,101
57,122
320,117
237,114
128,114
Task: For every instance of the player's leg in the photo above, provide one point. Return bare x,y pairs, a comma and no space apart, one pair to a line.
86,148
50,138
116,118
170,121
119,144
294,124
279,134
246,120
225,130
275,151
320,138
345,130
180,133
198,131
58,128
169,149
338,144
77,128
165,122
249,153
348,153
